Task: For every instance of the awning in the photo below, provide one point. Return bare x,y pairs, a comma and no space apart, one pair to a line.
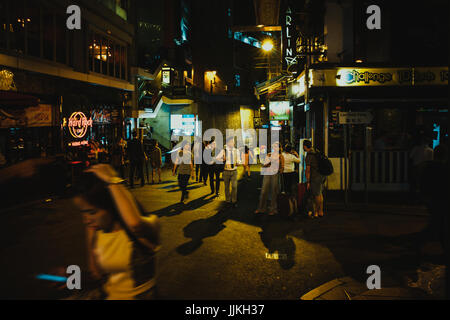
14,99
271,84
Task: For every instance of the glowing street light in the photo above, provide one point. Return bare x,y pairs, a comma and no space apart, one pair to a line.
267,45
211,75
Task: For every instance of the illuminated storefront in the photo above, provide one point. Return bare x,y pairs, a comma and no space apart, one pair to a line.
405,104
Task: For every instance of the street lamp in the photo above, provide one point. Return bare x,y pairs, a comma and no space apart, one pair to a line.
267,46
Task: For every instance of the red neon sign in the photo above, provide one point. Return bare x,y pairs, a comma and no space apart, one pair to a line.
78,124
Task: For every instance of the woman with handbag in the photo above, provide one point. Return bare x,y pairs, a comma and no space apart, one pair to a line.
122,244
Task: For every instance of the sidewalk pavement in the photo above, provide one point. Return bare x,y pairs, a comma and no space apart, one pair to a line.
347,288
373,208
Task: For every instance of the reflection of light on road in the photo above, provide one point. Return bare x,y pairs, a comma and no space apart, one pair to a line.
50,277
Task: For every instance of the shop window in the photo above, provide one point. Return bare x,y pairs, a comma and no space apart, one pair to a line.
17,27
49,33
32,22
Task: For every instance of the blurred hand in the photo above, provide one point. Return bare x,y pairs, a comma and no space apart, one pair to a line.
105,172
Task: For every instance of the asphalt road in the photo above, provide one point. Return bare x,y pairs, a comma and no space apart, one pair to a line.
214,252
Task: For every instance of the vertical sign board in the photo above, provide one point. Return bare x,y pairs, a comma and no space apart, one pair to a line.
289,36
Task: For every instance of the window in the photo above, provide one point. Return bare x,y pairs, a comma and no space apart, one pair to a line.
123,63
117,60
4,24
61,40
17,27
97,53
107,57
33,28
49,33
91,50
111,58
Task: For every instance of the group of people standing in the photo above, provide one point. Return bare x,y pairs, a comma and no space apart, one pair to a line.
225,163
278,171
279,175
138,156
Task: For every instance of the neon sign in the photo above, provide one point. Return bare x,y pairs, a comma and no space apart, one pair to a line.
348,77
289,40
78,143
78,124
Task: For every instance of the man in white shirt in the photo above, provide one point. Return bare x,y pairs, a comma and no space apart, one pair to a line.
232,158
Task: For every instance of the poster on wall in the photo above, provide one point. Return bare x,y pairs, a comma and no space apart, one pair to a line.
40,116
279,110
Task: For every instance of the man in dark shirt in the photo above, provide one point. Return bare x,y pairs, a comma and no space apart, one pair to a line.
315,180
136,155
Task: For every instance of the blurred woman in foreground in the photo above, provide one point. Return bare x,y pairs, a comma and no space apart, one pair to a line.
121,243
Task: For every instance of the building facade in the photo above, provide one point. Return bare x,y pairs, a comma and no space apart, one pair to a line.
68,71
364,96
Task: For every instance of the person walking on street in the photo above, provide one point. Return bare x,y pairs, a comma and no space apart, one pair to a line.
315,181
136,155
148,147
272,168
122,244
248,159
213,169
231,157
185,165
156,161
201,169
290,157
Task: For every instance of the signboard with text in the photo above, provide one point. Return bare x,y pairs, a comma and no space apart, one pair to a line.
289,36
357,77
355,117
279,110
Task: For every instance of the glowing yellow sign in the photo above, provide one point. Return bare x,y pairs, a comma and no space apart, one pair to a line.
351,77
78,124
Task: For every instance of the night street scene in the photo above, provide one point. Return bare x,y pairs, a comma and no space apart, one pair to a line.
224,150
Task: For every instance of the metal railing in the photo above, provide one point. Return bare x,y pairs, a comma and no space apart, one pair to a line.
384,171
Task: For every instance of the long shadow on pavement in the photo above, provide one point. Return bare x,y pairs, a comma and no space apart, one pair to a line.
353,250
179,208
203,228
